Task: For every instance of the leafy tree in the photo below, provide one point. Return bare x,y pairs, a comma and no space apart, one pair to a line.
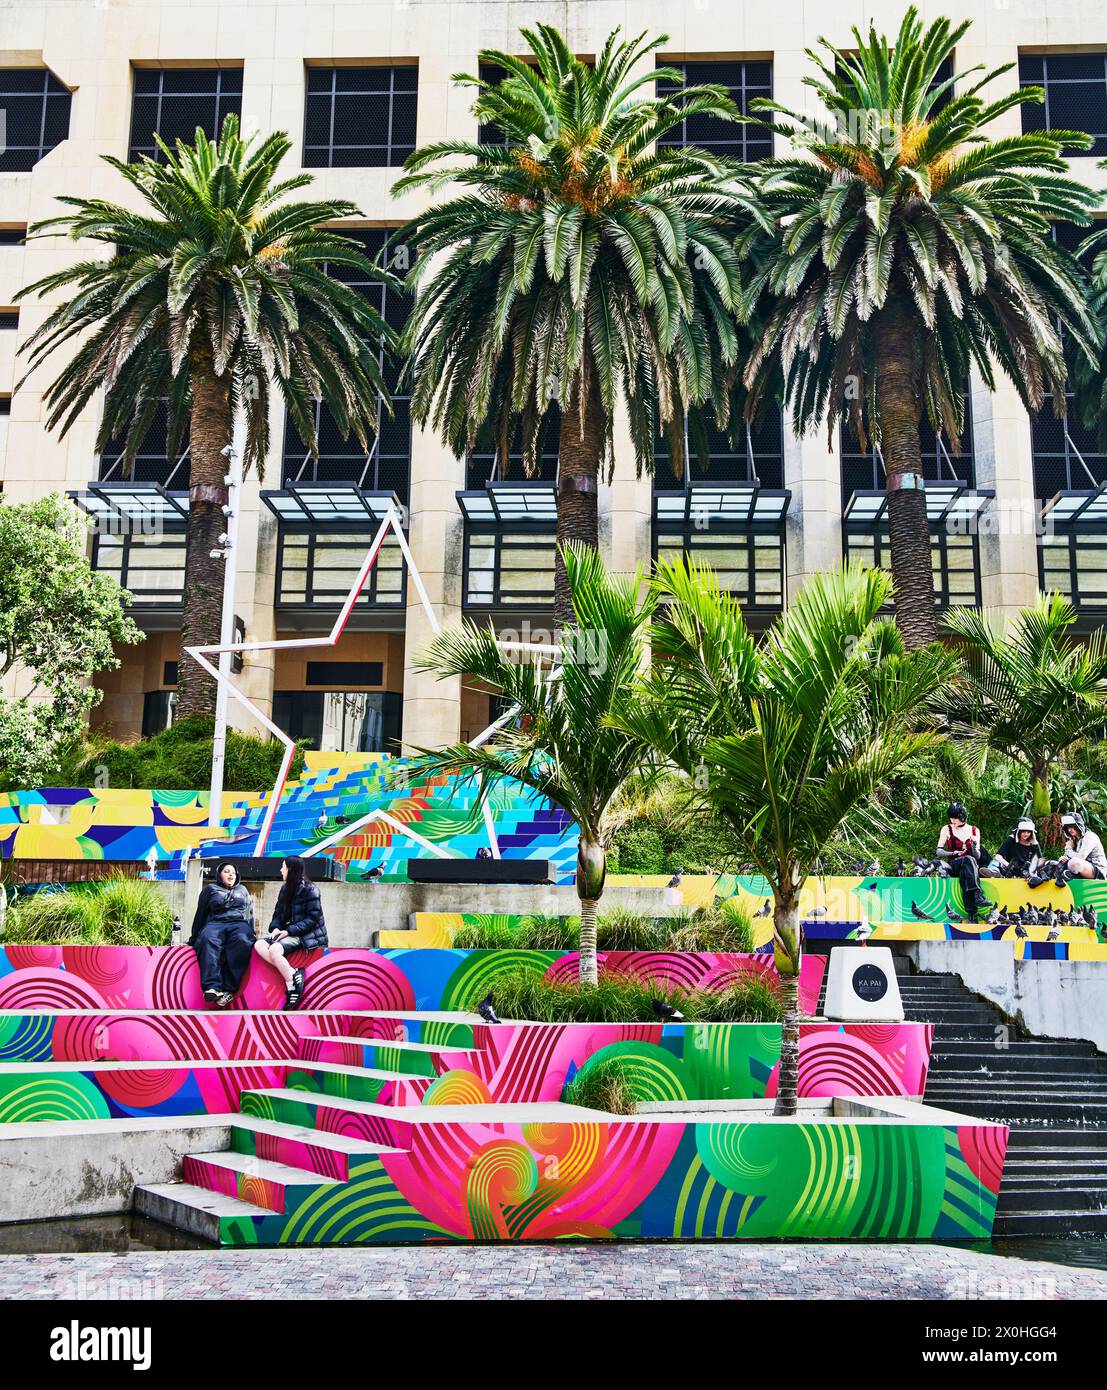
1032,692
578,263
59,619
787,738
210,295
560,742
908,246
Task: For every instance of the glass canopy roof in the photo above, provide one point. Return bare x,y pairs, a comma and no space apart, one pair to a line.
1087,507
330,504
730,504
503,504
945,501
141,505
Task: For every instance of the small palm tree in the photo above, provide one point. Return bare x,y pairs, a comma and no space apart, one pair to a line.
910,245
786,739
559,742
1032,692
214,292
580,262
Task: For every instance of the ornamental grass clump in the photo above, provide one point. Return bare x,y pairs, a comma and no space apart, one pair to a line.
115,912
603,1085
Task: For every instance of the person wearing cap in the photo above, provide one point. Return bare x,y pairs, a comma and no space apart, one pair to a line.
223,935
1083,857
960,849
1020,854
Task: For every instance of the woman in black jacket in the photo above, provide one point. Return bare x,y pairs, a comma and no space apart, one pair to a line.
297,925
223,935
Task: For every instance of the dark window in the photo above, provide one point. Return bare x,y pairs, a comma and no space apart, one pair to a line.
1075,94
1065,451
9,319
36,116
169,673
484,466
5,405
13,236
387,466
862,471
151,464
743,80
491,134
157,711
174,101
335,673
340,720
759,454
359,117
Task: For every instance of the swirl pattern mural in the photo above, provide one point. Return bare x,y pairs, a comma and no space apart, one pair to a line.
636,1179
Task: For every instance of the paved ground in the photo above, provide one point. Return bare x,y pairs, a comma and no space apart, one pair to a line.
626,1272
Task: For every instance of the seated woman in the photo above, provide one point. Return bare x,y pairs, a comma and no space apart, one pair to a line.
297,925
223,935
1082,857
1020,854
960,849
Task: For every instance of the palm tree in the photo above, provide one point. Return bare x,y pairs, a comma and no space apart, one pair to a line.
1032,692
213,292
908,246
788,738
579,263
559,742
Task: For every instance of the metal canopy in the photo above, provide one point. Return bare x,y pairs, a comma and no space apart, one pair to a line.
1086,508
330,504
728,504
945,501
510,504
137,504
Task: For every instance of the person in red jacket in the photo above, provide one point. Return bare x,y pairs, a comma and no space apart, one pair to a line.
960,849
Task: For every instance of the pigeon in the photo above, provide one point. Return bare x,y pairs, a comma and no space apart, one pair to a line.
862,933
1054,933
674,882
1020,931
321,823
486,1011
952,916
663,1009
375,873
901,869
817,912
919,914
764,910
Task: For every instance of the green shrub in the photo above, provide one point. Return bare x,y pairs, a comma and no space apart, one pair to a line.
486,936
177,759
623,929
639,850
603,1086
525,995
115,912
722,927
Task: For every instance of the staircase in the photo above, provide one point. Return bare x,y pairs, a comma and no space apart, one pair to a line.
1052,1094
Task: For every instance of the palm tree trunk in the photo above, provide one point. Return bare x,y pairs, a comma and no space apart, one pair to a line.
580,451
201,617
788,952
591,872
898,407
1039,788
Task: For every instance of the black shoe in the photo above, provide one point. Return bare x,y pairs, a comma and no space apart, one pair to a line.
224,1000
1061,880
211,996
295,990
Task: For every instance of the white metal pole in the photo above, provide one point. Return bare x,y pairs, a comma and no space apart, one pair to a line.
230,574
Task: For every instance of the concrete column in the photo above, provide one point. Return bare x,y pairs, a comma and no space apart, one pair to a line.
1005,463
626,508
432,708
813,534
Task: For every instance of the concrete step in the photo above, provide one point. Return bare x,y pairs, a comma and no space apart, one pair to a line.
360,1083
1005,1111
410,1058
336,1156
274,1186
1056,1222
195,1210
1057,1138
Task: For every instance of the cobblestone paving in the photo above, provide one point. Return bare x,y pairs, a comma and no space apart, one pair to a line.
625,1272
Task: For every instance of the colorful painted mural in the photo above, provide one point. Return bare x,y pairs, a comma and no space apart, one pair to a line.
626,1179
126,824
167,977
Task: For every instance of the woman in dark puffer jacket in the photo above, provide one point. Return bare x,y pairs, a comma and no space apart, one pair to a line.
223,935
297,925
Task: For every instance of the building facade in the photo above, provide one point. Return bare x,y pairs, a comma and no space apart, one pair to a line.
1013,505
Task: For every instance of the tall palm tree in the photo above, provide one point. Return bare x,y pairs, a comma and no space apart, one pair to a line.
560,742
787,738
211,293
908,246
1031,692
578,263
